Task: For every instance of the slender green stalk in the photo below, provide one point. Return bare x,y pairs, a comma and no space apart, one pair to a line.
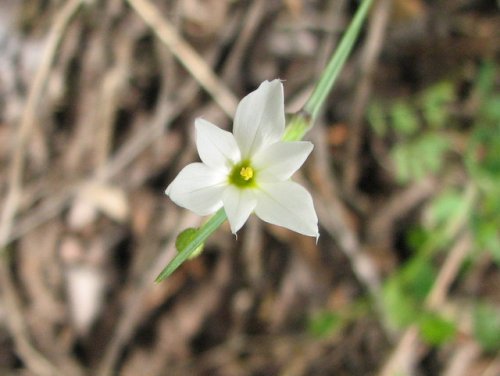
201,235
332,70
298,126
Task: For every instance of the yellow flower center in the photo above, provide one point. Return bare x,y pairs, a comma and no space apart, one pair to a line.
242,175
246,173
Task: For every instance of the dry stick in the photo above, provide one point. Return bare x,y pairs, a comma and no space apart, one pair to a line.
335,13
122,158
52,206
188,57
128,322
114,82
332,216
404,356
134,304
494,368
462,358
381,221
331,211
28,120
369,56
35,361
253,18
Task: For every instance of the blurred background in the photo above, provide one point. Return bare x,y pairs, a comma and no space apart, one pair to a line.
97,106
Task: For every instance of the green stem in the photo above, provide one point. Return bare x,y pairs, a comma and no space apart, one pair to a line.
201,235
332,70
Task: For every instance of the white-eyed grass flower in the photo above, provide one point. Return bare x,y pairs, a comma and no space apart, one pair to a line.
249,171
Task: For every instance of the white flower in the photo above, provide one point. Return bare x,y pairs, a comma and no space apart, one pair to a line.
249,171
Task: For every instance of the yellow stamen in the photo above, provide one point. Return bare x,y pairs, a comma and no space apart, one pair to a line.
246,173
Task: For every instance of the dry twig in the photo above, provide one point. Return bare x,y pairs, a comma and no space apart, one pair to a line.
186,55
369,56
332,216
15,318
405,355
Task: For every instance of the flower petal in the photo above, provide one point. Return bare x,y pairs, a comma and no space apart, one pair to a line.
289,205
217,148
198,188
281,159
260,118
238,204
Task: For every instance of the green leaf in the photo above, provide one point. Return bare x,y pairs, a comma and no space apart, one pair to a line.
335,65
487,236
376,118
419,157
445,206
491,108
401,155
417,236
436,330
485,81
193,243
487,327
435,101
325,324
404,119
484,149
432,148
417,277
399,306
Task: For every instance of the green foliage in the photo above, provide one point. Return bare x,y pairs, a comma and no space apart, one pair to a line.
482,161
400,308
325,324
377,118
435,102
487,237
445,206
426,137
483,157
487,327
403,118
404,292
419,157
419,125
436,330
483,154
418,276
403,298
484,224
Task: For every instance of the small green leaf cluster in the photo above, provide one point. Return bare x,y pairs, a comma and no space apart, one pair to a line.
427,137
403,300
486,321
482,161
327,323
418,127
